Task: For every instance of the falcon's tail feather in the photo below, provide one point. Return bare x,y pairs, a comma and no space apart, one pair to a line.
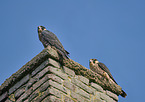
123,94
67,52
63,54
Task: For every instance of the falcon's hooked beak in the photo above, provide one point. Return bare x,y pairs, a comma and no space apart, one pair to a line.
91,62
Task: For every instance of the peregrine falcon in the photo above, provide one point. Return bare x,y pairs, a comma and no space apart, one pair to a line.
97,66
49,39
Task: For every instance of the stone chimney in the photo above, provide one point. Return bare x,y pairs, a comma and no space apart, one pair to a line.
45,79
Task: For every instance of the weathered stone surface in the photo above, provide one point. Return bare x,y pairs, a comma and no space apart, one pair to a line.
77,97
18,84
52,53
19,92
49,91
83,79
26,100
31,82
58,72
58,86
33,95
40,82
42,73
40,67
69,71
97,87
8,100
51,99
55,92
99,100
112,95
106,98
3,96
25,95
83,86
97,95
55,78
54,63
69,85
82,93
68,99
47,71
44,86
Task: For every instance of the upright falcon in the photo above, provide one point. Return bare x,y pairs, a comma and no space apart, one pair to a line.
50,39
97,66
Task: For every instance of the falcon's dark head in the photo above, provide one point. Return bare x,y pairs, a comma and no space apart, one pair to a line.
93,61
41,28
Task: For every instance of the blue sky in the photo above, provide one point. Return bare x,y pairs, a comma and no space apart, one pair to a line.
113,31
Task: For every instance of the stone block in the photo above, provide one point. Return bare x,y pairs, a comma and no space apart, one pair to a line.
112,95
99,100
33,95
106,98
41,96
77,97
59,73
83,79
51,76
7,100
42,73
18,84
25,95
97,87
31,82
40,67
69,71
54,63
83,86
3,96
44,87
40,82
51,99
82,93
69,85
55,78
58,86
55,92
68,99
97,95
19,92
49,91
26,100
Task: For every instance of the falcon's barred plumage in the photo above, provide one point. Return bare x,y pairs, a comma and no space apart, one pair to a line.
96,66
50,39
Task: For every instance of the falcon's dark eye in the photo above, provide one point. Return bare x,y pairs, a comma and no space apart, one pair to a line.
42,27
93,61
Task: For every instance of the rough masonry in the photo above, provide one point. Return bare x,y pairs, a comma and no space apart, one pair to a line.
45,79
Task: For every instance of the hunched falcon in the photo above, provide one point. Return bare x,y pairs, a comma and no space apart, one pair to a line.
97,66
50,39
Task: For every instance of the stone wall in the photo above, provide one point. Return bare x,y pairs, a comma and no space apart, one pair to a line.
45,79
